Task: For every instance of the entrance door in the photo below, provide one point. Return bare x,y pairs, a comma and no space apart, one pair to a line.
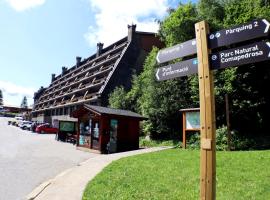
95,135
112,148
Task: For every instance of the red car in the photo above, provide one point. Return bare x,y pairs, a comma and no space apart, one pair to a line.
46,128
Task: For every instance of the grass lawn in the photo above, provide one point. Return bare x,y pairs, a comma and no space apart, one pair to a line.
174,174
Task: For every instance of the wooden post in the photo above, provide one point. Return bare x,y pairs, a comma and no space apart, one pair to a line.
184,143
228,122
207,116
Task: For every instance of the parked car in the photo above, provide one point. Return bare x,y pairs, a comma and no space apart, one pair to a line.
15,121
26,125
21,122
46,128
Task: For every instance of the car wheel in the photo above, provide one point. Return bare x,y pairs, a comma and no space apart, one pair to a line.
42,132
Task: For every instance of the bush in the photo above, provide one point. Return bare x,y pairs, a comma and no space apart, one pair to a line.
242,143
238,142
194,141
221,139
144,142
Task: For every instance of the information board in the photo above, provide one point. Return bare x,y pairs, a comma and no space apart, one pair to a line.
67,126
192,120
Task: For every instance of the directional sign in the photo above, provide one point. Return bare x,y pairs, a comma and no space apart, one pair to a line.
177,51
243,32
179,69
256,52
254,29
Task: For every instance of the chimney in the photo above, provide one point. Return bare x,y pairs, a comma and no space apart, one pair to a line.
78,61
99,49
64,69
53,77
131,31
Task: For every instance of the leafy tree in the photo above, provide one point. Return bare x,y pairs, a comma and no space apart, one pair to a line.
245,85
117,99
1,98
179,25
24,103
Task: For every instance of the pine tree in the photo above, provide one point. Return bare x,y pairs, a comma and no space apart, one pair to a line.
1,98
24,103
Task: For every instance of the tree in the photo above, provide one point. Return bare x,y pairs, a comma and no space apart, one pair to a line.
245,85
24,103
118,99
1,98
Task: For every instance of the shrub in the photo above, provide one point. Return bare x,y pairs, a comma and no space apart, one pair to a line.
221,139
194,141
147,142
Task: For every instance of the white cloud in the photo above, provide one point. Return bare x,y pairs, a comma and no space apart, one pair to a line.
112,18
13,94
21,5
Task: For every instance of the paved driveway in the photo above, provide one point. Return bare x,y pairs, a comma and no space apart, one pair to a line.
28,159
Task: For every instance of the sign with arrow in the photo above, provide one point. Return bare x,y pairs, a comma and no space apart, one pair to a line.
180,50
179,69
254,29
252,53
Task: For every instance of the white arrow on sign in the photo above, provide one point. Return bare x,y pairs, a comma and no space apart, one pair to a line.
157,75
157,58
268,44
267,25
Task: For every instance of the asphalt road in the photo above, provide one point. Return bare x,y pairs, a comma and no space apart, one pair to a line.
27,159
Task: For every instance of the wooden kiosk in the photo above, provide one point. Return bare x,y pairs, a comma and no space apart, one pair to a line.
107,129
191,122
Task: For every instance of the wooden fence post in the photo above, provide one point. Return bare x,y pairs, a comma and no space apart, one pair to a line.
184,144
207,115
228,122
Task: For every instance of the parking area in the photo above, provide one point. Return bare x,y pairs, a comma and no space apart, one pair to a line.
27,159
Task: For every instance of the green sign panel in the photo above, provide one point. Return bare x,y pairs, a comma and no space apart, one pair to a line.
67,126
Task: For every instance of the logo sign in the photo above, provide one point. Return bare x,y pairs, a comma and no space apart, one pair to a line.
180,50
256,52
179,69
243,32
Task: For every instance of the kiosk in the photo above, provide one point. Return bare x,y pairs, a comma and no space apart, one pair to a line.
106,129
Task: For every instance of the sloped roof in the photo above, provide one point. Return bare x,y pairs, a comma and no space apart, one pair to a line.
83,83
112,111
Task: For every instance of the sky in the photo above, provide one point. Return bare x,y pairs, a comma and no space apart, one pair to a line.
38,37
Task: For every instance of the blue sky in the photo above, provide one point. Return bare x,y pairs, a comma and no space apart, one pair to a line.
38,37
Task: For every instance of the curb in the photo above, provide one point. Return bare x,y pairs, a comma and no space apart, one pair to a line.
38,190
34,194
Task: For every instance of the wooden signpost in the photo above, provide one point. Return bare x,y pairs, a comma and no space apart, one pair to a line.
204,65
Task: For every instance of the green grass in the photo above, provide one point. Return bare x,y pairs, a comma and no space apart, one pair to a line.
174,174
157,143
